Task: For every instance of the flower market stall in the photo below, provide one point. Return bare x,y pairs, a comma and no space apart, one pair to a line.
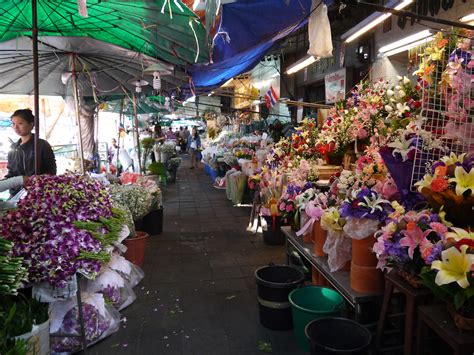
64,241
383,187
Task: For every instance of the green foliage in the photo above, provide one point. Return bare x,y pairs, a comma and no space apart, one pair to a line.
157,168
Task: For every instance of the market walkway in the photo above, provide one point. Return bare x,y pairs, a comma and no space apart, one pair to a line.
198,295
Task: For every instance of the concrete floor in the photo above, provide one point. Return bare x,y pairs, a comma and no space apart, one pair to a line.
199,293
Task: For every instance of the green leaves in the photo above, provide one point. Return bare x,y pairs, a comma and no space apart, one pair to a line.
264,346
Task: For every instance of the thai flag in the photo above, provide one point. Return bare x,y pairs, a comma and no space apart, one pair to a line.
271,98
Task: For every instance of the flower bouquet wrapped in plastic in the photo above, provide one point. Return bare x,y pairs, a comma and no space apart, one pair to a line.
449,186
100,321
131,273
114,287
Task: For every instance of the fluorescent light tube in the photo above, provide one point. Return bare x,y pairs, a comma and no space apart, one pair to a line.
467,18
378,20
405,41
300,64
408,46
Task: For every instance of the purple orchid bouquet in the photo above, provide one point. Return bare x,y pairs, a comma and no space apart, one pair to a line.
365,203
410,241
64,225
100,320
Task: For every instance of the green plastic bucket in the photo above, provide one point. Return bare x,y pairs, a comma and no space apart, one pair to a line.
312,302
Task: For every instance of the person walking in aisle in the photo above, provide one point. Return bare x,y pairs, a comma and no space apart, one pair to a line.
194,146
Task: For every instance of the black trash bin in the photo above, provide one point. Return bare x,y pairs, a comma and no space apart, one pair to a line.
273,235
274,284
338,336
152,223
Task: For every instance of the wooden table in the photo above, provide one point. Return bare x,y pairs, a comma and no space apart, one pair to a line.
437,318
339,280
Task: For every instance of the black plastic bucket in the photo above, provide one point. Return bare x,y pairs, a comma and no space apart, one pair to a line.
273,234
274,284
152,223
341,336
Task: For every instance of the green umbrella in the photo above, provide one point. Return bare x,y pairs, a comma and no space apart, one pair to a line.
164,29
142,108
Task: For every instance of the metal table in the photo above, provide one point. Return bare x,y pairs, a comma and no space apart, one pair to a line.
339,280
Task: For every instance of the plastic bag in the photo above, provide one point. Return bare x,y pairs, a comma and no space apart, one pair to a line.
132,274
44,292
360,228
100,321
113,286
339,249
319,29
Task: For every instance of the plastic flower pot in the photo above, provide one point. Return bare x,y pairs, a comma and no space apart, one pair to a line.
274,283
337,336
319,236
136,248
366,279
362,253
152,223
273,235
313,302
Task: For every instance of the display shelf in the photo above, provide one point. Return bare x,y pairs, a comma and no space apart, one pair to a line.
339,280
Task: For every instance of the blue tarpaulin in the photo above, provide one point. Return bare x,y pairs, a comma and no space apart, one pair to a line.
248,29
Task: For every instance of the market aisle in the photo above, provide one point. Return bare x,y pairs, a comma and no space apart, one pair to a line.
198,295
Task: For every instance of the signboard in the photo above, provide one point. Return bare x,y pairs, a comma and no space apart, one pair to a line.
335,84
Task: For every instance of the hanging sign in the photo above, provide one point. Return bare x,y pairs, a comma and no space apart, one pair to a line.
82,8
335,84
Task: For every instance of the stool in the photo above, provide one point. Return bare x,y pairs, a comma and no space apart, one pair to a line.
413,296
437,318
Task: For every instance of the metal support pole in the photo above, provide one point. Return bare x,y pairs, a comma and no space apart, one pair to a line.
34,32
135,114
81,316
76,108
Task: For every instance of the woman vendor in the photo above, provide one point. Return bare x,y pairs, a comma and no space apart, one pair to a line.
21,158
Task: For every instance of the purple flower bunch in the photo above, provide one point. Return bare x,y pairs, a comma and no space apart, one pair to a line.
94,323
112,295
410,241
366,203
44,232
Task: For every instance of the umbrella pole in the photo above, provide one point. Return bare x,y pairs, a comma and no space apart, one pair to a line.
118,135
34,32
137,133
78,118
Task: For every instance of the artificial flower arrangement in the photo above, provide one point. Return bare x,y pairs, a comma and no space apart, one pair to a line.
244,153
364,211
303,141
64,225
450,186
403,103
409,241
450,276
